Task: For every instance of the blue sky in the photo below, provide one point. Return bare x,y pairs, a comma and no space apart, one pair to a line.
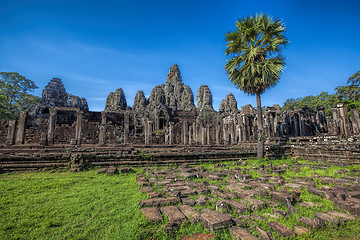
96,47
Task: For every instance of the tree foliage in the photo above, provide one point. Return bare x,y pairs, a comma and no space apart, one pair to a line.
16,89
348,94
254,48
255,62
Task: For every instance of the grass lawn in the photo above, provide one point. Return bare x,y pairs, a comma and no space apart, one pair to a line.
87,205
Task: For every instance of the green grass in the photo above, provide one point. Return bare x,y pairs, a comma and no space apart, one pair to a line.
70,206
86,205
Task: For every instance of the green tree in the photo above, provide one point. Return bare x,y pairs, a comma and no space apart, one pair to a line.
256,64
351,91
4,112
15,88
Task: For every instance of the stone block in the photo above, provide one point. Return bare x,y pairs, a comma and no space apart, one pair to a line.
102,170
313,223
282,197
344,217
239,233
125,170
300,230
154,202
280,229
190,213
111,170
198,236
237,206
263,235
152,214
254,203
173,214
201,201
214,220
187,201
327,218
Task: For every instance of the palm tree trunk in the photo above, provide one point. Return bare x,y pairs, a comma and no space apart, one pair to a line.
260,147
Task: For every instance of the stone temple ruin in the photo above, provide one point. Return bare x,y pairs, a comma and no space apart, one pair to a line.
170,126
168,117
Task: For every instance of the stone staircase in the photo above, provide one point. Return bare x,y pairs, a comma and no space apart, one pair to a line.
34,157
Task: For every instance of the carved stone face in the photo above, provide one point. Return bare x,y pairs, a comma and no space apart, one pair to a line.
204,97
157,95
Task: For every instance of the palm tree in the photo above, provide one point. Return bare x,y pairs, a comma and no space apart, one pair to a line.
256,64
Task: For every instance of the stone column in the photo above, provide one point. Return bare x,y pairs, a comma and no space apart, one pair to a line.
148,130
190,135
171,133
217,133
185,132
79,118
102,132
52,125
10,138
344,118
126,128
195,133
355,120
203,135
20,136
208,134
232,133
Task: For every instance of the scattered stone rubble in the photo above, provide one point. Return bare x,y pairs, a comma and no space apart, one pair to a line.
238,192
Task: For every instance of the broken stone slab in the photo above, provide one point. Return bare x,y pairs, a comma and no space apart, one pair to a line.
191,184
282,197
239,233
313,223
146,189
237,206
222,206
294,186
111,170
188,175
154,202
215,220
254,203
190,213
310,204
237,185
280,229
263,235
154,194
102,170
241,193
173,214
353,194
279,212
125,170
344,217
300,230
202,190
199,236
224,194
327,218
201,201
187,200
351,205
200,169
143,184
243,176
315,191
152,214
271,216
